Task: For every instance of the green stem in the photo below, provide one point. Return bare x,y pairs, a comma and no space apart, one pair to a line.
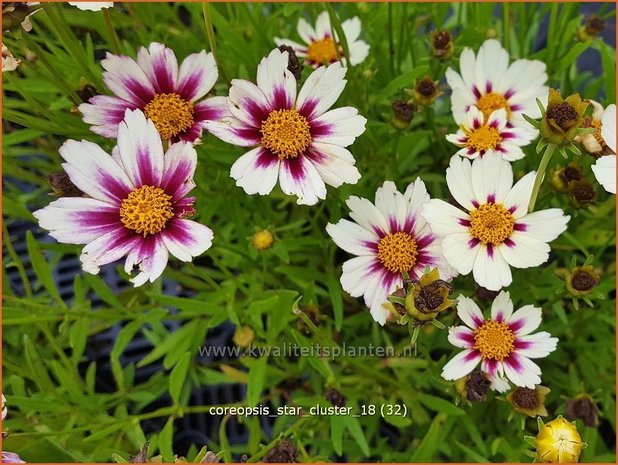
210,32
391,46
112,32
506,19
549,152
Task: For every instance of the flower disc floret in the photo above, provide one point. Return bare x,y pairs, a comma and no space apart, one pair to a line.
146,210
286,133
491,223
322,51
170,113
494,340
397,252
491,102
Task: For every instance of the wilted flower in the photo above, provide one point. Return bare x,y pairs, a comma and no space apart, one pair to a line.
487,81
321,47
593,26
294,66
285,451
474,386
495,232
62,186
425,91
529,401
136,204
582,193
478,135
296,139
166,93
558,442
402,114
562,176
583,408
17,14
593,143
502,344
262,239
389,238
335,397
9,63
562,118
441,44
582,280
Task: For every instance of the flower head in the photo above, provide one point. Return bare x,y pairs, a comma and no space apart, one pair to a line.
563,176
582,280
474,386
529,401
390,238
562,118
558,442
583,408
479,135
321,48
502,344
403,113
593,26
441,44
425,91
295,138
495,230
428,296
605,167
167,94
135,205
487,81
262,239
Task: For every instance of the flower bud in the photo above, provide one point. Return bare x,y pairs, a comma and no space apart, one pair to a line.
442,44
562,118
262,240
583,408
582,280
425,91
558,442
402,114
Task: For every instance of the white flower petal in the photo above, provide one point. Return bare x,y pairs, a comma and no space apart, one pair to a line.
461,337
298,176
544,225
356,273
523,251
444,218
605,171
352,238
537,345
197,76
459,181
461,251
469,312
492,178
321,90
461,364
491,270
160,65
256,171
518,199
522,371
502,307
335,164
340,126
608,127
525,320
367,215
276,81
186,239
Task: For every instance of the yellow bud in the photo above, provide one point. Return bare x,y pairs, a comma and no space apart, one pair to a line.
263,240
243,336
558,442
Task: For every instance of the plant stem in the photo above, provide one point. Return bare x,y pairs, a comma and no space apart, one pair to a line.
210,32
549,152
112,32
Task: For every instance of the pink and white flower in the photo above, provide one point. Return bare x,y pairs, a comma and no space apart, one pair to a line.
295,138
320,47
487,81
478,136
167,94
495,230
605,167
503,343
388,238
135,205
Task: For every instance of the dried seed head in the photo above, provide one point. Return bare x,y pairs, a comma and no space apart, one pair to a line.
335,397
294,66
284,452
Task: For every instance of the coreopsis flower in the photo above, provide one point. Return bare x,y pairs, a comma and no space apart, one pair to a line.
582,280
92,6
605,167
502,344
321,48
136,202
425,91
403,113
424,298
295,138
563,176
583,408
563,118
478,135
171,97
529,401
389,238
593,143
593,26
487,81
441,44
495,230
558,442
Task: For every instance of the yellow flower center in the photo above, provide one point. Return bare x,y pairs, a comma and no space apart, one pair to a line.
262,240
491,223
146,210
322,51
484,138
494,340
171,114
491,102
595,123
286,133
397,252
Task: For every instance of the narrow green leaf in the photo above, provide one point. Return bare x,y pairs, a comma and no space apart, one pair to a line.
178,377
